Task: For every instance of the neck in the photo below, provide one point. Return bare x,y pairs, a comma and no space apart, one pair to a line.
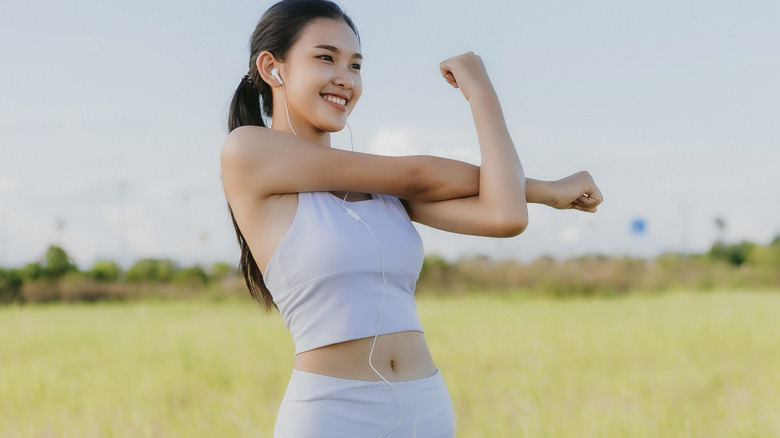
306,132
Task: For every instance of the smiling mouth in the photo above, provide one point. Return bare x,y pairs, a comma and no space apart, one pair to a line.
334,99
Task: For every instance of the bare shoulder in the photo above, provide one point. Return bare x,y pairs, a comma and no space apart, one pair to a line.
242,143
246,155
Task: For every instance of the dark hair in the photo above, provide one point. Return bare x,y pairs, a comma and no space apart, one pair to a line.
278,30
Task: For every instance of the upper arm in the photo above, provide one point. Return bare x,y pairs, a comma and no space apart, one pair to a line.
261,162
467,216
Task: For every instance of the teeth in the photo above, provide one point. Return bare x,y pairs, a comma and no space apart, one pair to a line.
335,99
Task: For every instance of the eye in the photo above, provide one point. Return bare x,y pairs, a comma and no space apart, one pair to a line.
326,58
355,66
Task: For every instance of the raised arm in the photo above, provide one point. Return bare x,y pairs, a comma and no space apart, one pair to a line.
499,207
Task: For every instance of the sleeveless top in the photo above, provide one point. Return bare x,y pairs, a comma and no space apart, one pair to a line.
326,275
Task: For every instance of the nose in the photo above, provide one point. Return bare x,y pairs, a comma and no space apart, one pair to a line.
344,79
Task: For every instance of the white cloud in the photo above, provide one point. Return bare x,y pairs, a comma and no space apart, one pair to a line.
394,142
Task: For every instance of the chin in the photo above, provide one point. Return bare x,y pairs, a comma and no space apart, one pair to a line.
332,126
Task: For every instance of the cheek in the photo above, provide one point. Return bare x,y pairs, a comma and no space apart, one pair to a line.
357,89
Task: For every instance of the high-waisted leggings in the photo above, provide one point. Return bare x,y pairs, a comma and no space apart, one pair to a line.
319,406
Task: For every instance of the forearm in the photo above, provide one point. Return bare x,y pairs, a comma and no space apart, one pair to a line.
451,179
537,191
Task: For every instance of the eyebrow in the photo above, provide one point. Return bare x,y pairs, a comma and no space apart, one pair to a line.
336,50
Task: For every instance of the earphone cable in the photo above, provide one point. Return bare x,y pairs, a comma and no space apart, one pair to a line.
381,308
287,111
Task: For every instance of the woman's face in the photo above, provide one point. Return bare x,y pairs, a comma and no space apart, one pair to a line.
322,75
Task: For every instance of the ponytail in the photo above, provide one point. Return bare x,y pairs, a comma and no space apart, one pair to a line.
245,107
245,110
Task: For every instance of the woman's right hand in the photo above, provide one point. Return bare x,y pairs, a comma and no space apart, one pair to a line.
468,73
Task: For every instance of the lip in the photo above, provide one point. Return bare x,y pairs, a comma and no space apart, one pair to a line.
342,108
339,95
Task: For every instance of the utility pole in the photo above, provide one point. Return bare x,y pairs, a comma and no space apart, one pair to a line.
59,225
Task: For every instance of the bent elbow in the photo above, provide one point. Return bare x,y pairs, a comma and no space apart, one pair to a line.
510,225
512,229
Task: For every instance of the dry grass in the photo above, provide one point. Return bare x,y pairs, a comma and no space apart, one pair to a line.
681,364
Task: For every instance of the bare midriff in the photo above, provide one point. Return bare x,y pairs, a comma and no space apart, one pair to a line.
397,356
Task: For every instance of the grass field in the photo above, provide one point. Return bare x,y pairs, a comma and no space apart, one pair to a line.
674,365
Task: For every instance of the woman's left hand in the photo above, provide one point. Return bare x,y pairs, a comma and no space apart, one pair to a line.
577,191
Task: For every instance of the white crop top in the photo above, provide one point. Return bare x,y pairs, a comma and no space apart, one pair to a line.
326,275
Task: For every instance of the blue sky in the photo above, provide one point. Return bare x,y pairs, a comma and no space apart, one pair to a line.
112,115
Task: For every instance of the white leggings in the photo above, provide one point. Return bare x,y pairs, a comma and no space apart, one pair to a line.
319,406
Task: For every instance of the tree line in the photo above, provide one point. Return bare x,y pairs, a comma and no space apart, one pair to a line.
731,266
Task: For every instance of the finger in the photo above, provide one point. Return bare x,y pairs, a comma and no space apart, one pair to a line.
450,78
590,201
583,203
596,195
586,208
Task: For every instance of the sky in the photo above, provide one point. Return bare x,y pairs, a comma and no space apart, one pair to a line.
112,115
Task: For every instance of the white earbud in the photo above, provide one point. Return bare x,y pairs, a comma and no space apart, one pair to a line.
275,73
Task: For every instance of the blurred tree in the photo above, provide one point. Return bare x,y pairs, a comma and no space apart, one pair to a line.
191,276
10,286
736,254
766,256
166,269
57,262
142,270
222,270
105,270
151,270
434,264
32,271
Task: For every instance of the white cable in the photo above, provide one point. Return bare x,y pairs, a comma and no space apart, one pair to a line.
287,111
395,389
384,291
378,325
351,144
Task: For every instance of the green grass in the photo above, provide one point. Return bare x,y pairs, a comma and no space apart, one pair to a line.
688,365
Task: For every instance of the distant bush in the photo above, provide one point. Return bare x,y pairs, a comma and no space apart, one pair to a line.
32,271
151,270
105,270
10,286
192,277
221,270
736,254
166,269
57,262
743,265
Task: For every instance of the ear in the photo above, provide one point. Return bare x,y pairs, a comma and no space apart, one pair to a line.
265,63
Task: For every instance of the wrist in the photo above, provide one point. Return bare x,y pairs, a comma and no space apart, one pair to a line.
539,192
483,95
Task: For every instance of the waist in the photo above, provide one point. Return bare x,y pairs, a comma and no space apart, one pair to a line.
397,356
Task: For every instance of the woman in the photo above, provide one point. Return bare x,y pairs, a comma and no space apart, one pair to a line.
326,234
